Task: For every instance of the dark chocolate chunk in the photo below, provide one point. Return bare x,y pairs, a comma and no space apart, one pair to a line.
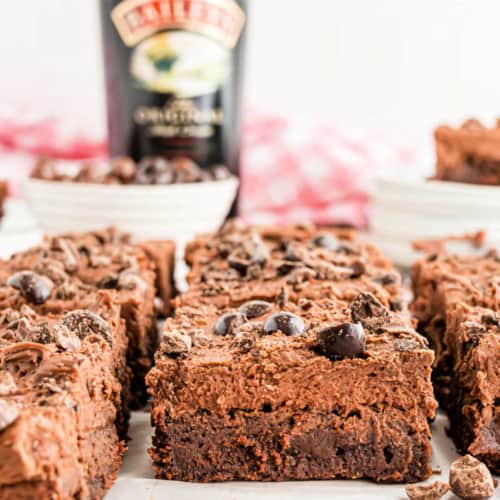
34,287
8,414
470,479
228,322
387,279
358,269
286,322
154,170
369,311
109,282
255,308
346,340
66,339
432,491
325,240
175,343
84,323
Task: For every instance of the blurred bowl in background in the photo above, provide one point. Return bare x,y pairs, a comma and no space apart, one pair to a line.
406,210
176,211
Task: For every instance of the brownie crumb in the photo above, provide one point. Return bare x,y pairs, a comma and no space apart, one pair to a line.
470,479
432,491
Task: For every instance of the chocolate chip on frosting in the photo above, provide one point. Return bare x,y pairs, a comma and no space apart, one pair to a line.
346,340
173,342
228,322
8,414
34,287
286,322
255,308
369,311
84,323
470,479
325,240
432,491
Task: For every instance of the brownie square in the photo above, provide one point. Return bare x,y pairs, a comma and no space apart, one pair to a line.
243,262
236,398
457,303
60,399
470,153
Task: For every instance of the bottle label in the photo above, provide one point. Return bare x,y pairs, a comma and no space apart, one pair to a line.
181,72
221,20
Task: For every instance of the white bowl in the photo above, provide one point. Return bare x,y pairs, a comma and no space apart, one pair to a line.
406,210
177,211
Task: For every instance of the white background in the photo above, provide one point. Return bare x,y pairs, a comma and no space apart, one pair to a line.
399,66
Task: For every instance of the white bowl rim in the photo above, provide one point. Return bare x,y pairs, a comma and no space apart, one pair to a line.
87,186
429,184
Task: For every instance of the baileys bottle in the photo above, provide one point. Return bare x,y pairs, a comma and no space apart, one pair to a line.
173,78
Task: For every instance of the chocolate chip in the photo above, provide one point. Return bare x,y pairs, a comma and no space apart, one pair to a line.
84,323
109,282
432,491
387,279
174,342
260,254
124,168
346,340
470,479
185,170
52,269
8,414
34,287
154,170
255,308
69,251
238,263
369,311
358,269
286,322
228,322
325,240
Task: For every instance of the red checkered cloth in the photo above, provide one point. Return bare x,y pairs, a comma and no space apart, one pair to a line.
293,169
304,169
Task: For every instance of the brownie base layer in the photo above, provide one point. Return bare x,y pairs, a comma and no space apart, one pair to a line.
485,172
305,446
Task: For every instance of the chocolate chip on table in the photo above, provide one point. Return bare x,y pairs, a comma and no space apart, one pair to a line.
34,287
325,240
432,491
174,342
154,170
346,340
470,479
369,311
286,322
228,322
255,308
124,168
84,323
8,414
